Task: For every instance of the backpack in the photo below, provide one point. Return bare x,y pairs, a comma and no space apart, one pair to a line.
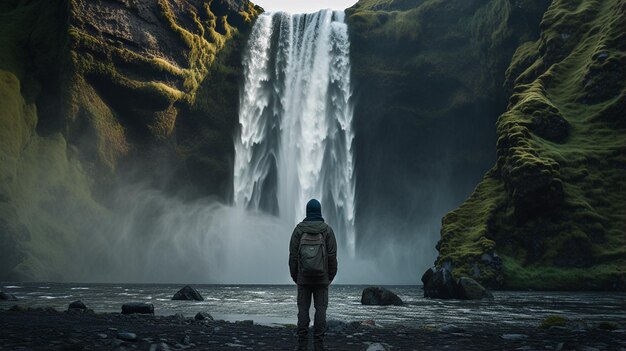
312,254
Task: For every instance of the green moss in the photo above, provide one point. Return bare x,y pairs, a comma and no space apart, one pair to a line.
560,155
553,321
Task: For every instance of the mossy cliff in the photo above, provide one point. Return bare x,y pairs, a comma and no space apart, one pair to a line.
551,214
87,87
428,78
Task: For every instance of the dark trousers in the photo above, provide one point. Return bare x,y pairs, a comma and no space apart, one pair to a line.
320,301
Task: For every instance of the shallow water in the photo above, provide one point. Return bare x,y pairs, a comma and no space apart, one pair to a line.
269,304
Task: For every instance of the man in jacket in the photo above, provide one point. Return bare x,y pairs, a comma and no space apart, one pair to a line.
315,283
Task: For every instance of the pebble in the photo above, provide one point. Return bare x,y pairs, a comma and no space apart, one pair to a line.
102,335
203,315
179,317
514,336
376,347
450,328
127,336
159,347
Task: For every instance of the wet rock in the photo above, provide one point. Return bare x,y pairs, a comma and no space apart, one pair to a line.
245,322
379,296
159,347
451,328
439,283
186,340
469,289
179,317
187,293
7,297
200,316
137,307
127,336
370,323
77,305
376,347
514,336
553,321
336,326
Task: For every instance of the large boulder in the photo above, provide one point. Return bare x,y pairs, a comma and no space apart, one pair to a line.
375,295
187,293
469,289
138,307
440,284
77,305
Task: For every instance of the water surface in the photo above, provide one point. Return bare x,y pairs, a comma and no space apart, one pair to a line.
268,304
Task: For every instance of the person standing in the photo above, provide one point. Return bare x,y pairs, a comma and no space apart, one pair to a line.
313,266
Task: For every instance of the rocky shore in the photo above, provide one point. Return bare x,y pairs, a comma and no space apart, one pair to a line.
47,328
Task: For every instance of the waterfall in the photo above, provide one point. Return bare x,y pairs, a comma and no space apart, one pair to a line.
295,137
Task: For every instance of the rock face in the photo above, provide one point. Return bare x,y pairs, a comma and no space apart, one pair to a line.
429,78
375,295
93,88
137,308
187,293
539,207
440,284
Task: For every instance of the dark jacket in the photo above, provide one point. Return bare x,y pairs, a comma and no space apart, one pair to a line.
331,249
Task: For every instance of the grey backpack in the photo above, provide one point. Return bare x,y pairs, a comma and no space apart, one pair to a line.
312,254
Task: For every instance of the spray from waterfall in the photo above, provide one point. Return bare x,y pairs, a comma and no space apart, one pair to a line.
295,139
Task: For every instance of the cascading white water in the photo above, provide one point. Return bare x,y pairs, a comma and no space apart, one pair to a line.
295,139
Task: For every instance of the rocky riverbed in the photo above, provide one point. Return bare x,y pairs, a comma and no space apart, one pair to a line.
47,328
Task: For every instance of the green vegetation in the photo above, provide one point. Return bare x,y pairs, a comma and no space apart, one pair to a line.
559,217
79,97
553,321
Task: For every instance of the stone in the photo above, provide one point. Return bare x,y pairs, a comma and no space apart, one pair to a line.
187,293
514,336
379,296
200,316
336,326
245,322
469,289
7,297
376,347
179,317
439,283
77,305
137,307
127,336
451,328
159,347
370,323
